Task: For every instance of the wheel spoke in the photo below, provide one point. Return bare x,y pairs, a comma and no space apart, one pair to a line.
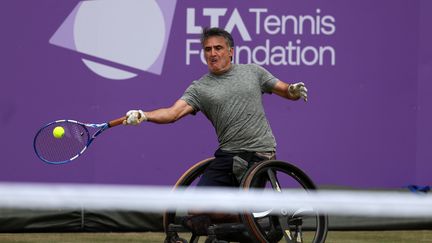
273,180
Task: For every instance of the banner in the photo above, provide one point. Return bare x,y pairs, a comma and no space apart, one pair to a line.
366,64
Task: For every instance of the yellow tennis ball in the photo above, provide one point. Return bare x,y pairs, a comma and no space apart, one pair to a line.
58,132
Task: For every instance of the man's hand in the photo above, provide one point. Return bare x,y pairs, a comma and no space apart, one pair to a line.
298,90
134,117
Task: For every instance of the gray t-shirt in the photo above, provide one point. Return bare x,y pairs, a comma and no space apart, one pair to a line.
233,103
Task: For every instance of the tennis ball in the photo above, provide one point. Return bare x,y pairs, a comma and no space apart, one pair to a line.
58,132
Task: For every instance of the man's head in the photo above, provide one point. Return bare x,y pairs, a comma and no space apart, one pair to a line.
218,49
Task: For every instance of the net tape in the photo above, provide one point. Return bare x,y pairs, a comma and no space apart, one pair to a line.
160,199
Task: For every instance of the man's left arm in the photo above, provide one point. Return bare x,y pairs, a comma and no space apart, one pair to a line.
293,91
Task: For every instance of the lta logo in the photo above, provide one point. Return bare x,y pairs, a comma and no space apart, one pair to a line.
118,34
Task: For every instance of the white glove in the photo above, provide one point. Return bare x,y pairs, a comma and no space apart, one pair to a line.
134,117
298,90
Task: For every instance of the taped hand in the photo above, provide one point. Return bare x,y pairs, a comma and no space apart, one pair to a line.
134,117
298,90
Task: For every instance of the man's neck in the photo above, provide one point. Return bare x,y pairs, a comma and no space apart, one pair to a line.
224,71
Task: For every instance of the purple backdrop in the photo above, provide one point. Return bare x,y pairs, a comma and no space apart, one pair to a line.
366,124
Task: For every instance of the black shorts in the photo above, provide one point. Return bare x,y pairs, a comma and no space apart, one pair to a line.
220,171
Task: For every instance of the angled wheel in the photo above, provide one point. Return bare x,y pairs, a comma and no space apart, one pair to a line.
187,179
301,225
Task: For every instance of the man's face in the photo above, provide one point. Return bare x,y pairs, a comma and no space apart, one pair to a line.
217,54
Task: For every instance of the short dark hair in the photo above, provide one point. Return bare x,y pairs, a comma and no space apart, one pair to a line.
215,31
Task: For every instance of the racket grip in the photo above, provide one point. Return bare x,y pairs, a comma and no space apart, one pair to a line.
117,121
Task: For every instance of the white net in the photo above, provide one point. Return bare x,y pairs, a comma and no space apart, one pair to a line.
160,199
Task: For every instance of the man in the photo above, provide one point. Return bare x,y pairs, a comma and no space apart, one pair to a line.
230,96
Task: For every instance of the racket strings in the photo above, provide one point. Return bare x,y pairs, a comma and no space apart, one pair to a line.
57,150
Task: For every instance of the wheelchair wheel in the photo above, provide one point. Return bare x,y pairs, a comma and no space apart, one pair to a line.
302,225
187,179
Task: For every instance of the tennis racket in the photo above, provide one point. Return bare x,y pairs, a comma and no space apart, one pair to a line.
72,143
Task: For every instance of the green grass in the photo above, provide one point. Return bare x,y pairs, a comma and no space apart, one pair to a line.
417,236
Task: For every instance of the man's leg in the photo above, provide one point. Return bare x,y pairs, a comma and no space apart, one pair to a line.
217,174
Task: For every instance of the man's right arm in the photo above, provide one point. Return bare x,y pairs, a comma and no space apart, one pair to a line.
160,116
171,114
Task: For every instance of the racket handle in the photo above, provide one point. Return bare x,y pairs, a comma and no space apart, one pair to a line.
116,122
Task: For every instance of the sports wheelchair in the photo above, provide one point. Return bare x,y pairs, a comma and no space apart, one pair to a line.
303,225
